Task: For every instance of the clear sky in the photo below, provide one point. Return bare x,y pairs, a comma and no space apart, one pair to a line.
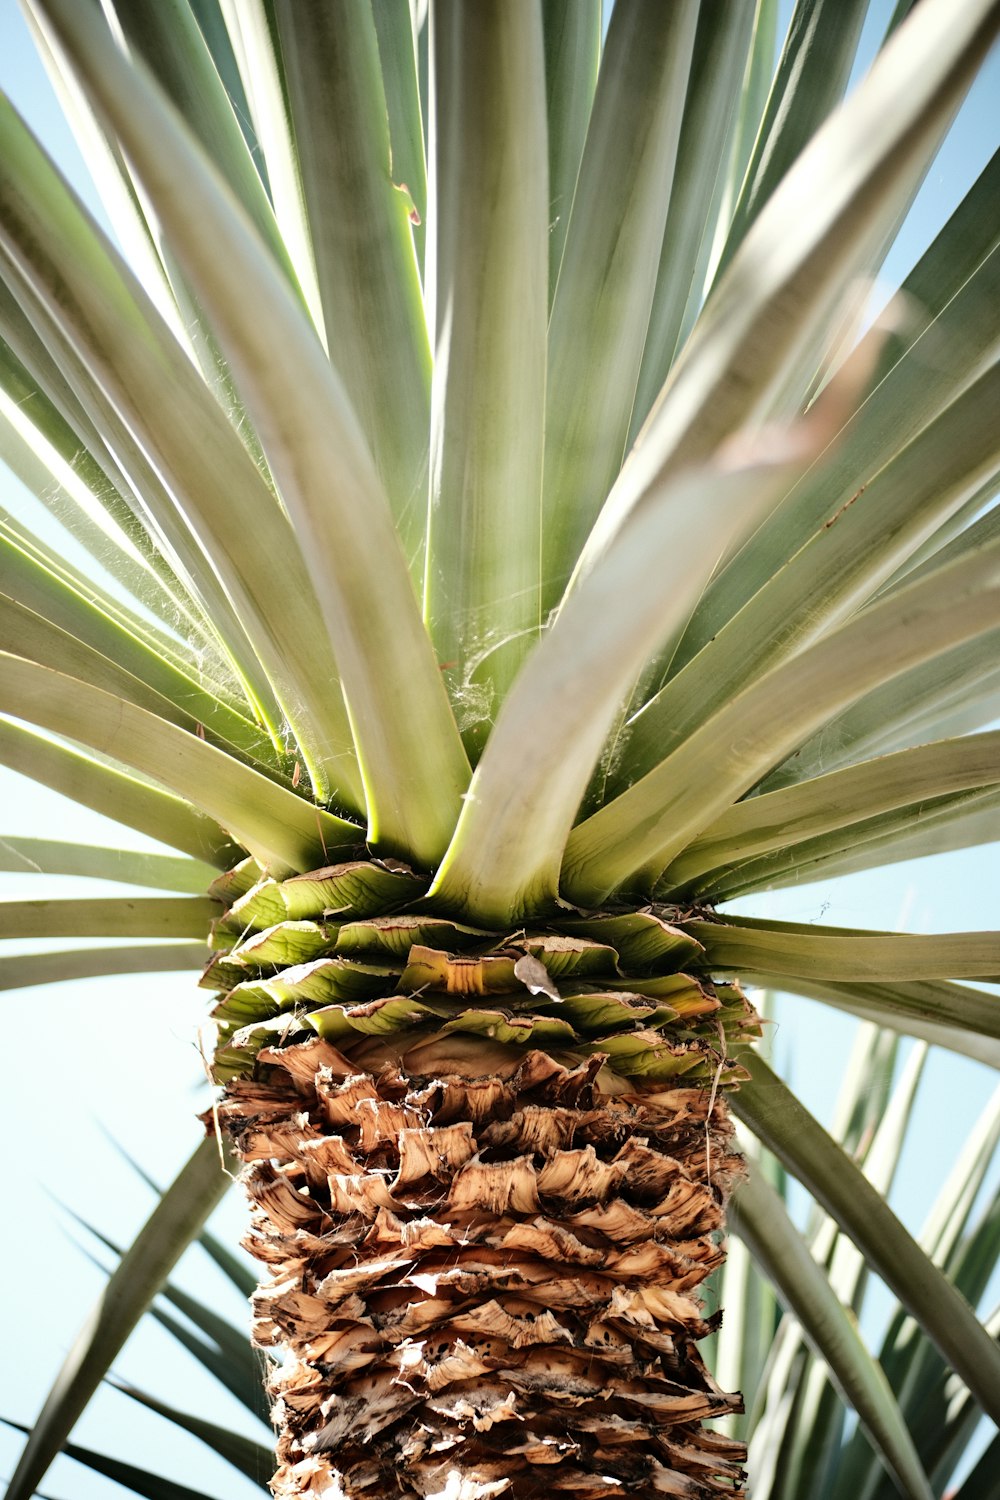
116,1058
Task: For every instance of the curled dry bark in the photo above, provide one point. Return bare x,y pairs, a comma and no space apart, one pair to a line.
482,1259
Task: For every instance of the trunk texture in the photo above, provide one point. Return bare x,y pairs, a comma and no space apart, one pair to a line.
482,1255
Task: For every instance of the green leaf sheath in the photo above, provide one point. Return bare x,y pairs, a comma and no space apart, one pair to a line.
542,751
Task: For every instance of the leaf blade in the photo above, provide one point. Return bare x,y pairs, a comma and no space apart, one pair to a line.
108,916
825,955
56,857
572,56
778,819
609,267
32,969
362,245
264,817
487,302
129,355
816,231
834,573
146,808
736,747
171,1227
413,764
777,1118
761,1219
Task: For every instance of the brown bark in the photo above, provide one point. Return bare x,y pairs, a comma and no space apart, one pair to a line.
484,1286
482,1260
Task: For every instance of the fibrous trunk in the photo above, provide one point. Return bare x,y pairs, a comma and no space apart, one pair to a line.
487,1175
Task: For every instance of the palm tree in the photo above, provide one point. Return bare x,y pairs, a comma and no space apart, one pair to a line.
516,555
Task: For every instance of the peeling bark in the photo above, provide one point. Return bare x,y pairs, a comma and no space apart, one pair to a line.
481,1260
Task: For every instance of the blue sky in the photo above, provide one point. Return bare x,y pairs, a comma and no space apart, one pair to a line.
117,1058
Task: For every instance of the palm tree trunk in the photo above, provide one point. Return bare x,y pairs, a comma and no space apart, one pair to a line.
485,1285
482,1255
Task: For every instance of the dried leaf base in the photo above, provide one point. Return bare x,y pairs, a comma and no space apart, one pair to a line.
484,1286
483,1257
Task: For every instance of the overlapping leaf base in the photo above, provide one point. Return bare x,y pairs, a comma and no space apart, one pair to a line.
482,1252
